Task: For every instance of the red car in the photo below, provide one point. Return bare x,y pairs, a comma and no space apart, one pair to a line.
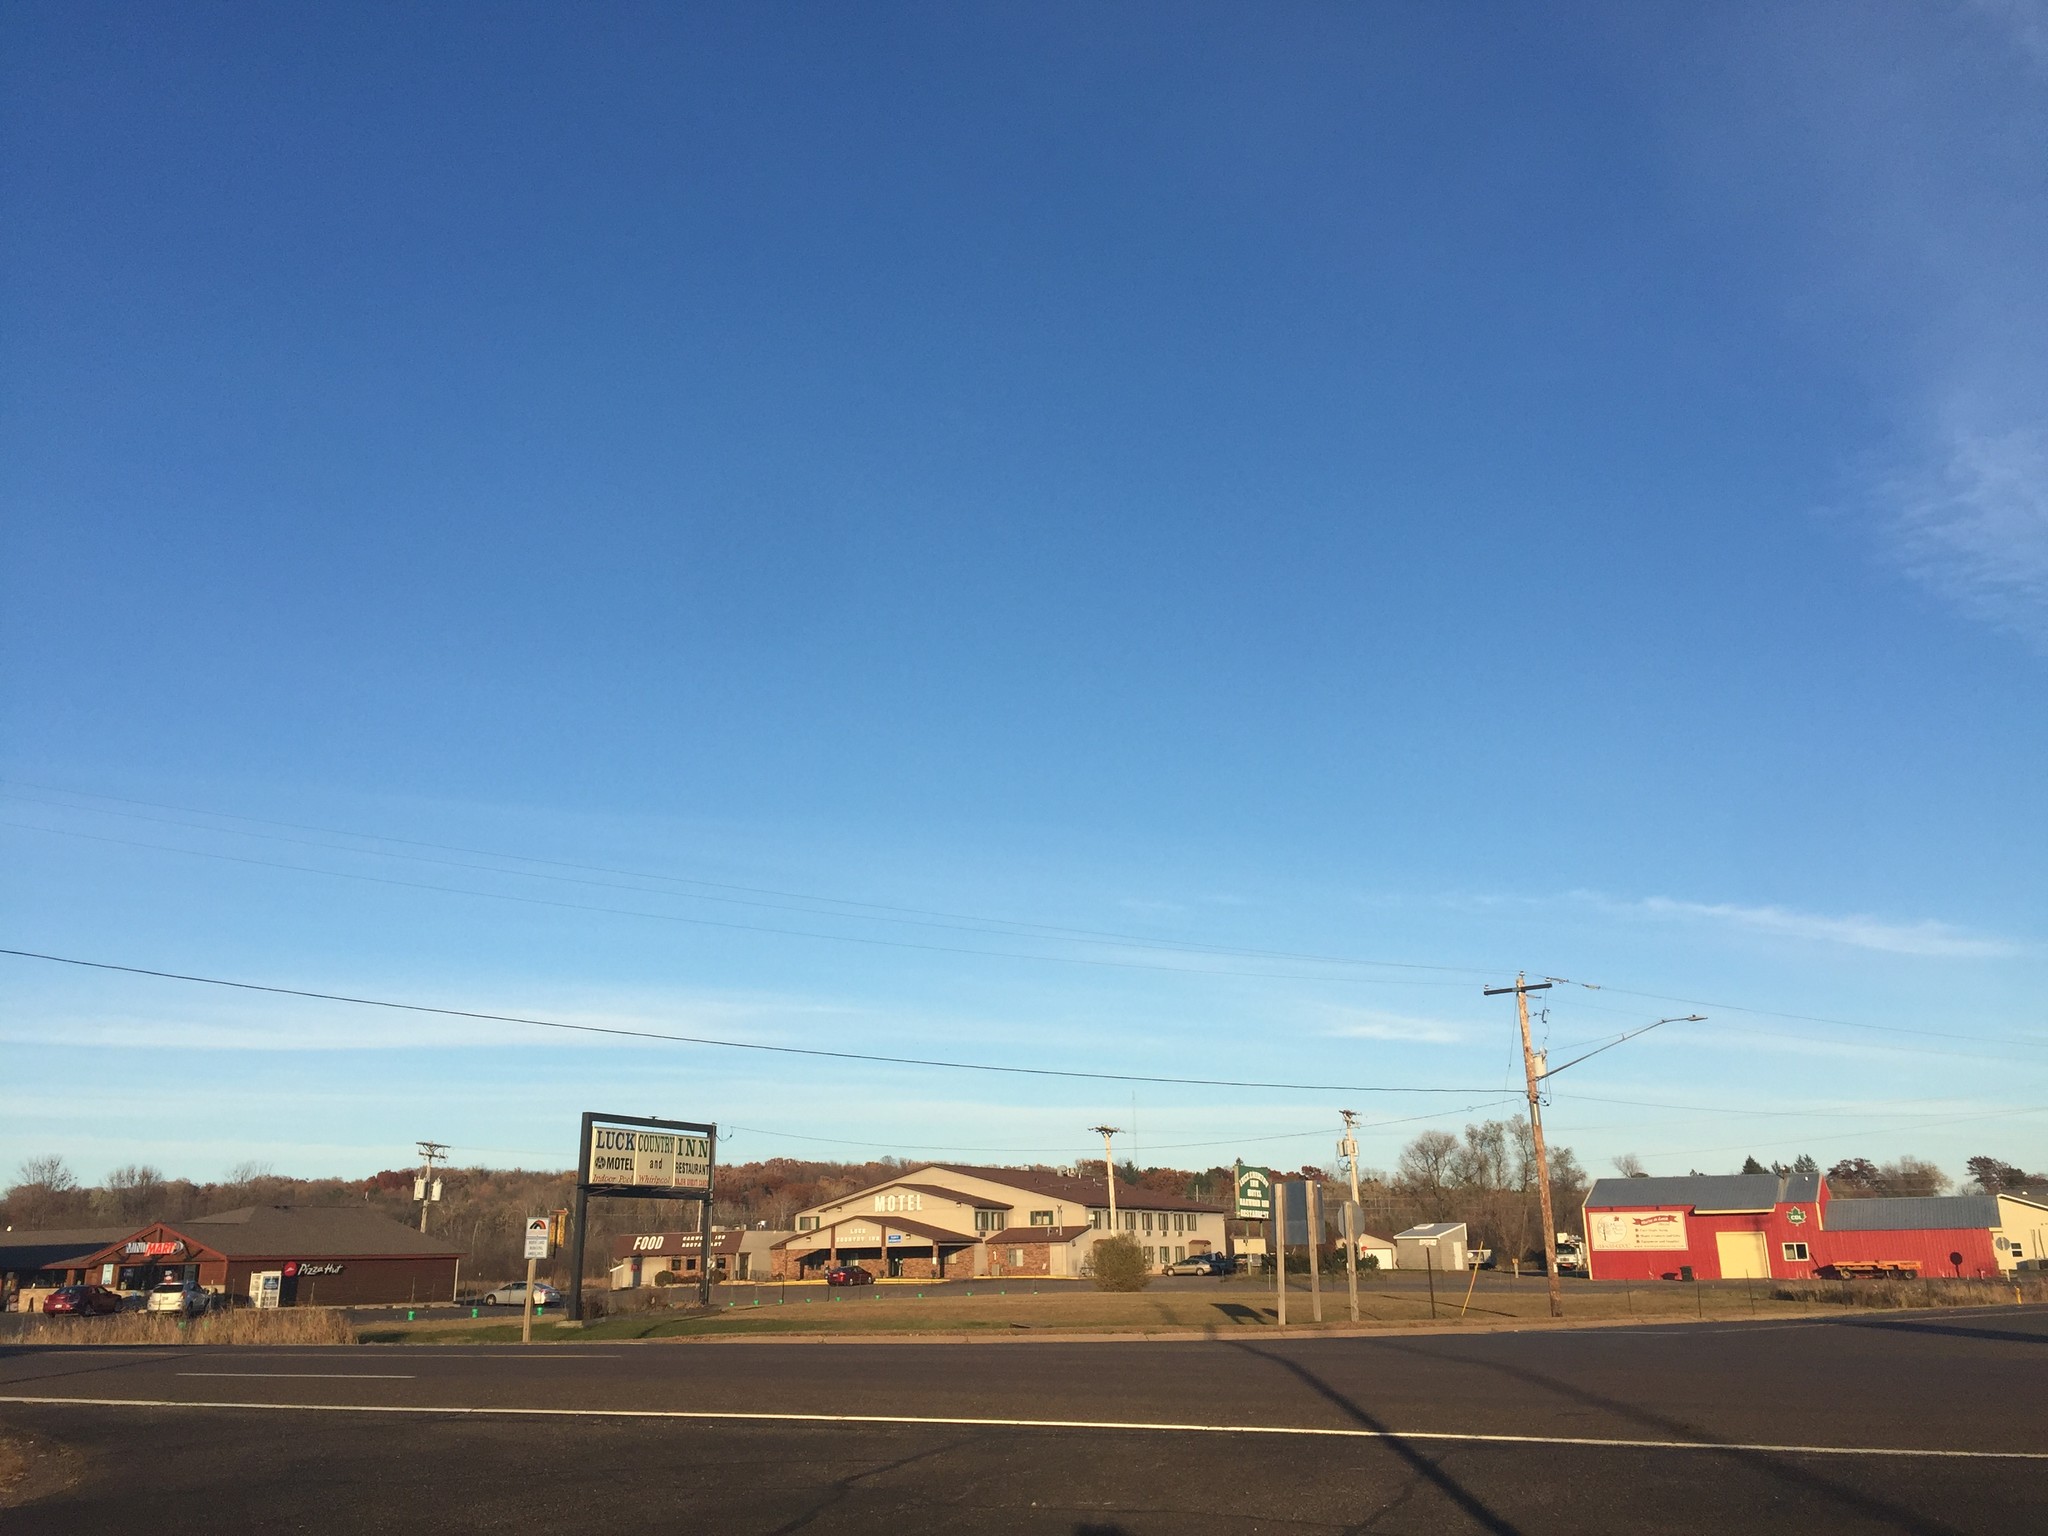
848,1274
81,1300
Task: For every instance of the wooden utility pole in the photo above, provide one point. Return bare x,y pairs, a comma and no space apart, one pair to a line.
1534,1071
1108,1168
1354,1215
431,1152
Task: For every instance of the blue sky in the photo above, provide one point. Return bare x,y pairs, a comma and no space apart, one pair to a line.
1489,490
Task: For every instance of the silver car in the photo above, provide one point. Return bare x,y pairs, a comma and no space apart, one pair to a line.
177,1296
544,1295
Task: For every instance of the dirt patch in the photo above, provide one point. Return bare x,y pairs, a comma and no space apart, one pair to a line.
33,1467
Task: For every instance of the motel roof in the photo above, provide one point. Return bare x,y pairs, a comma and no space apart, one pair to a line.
1082,1190
1034,1235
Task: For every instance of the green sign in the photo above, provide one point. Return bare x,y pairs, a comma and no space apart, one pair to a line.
1254,1194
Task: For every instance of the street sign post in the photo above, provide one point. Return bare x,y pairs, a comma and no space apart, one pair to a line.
536,1250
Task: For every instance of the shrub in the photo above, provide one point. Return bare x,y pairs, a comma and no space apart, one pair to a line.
665,1277
1118,1264
1370,1261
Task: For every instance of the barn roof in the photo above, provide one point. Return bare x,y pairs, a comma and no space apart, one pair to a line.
1921,1213
1702,1191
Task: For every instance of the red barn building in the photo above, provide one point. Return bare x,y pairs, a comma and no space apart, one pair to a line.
1732,1226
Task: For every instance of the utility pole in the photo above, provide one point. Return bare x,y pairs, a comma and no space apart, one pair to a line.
1354,1217
426,1190
1109,1168
1535,1073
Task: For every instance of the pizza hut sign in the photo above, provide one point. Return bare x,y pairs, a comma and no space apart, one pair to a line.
294,1269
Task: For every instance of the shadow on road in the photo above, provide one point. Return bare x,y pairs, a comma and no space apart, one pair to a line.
1774,1464
1418,1463
1954,1330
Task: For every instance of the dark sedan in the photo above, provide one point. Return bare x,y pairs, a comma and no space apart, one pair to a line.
848,1274
81,1301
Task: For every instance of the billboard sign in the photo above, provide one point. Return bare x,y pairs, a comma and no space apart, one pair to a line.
1640,1231
623,1154
1254,1194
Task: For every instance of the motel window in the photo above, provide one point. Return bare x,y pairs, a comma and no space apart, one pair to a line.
1179,1253
1016,1257
1041,1218
986,1220
1796,1252
1146,1218
807,1223
1097,1220
1130,1221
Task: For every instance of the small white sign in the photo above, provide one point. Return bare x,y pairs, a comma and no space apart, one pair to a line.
536,1237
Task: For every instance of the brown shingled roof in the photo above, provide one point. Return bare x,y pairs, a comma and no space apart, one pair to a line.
1050,1184
306,1232
1019,1236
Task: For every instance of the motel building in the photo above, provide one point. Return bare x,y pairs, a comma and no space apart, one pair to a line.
945,1221
1762,1226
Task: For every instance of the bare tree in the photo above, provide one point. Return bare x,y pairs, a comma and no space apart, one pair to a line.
1629,1166
1424,1166
44,1193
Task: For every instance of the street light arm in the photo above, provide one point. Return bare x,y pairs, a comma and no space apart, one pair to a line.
1690,1018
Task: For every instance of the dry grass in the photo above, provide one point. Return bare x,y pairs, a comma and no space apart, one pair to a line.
1912,1293
1230,1308
289,1325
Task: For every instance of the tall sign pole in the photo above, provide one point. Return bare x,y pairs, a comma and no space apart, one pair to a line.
1279,1245
632,1157
1534,1072
704,1236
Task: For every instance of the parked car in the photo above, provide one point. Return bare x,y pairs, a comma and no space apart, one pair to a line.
848,1274
1479,1258
1202,1264
544,1295
177,1296
81,1301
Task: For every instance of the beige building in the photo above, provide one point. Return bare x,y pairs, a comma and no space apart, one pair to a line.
955,1222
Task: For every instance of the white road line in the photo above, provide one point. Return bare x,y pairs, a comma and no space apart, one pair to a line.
307,1375
957,1422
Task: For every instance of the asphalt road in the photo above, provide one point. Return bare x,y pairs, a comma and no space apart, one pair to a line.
1918,1424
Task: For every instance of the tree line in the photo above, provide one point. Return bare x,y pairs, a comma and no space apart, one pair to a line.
1484,1178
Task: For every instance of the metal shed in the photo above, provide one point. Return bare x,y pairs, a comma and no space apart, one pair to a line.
1436,1245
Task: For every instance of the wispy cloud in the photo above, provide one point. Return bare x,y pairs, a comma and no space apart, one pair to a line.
1926,937
1371,1024
1975,527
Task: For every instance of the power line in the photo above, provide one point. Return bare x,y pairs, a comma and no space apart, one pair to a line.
712,922
920,917
734,1045
1814,1018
